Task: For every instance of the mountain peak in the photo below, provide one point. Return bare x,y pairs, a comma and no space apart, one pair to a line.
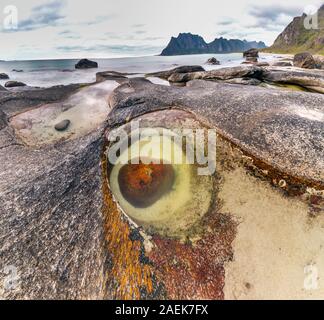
188,43
296,38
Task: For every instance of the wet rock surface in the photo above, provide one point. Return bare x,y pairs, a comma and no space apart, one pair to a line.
87,108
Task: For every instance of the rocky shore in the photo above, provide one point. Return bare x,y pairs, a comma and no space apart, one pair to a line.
63,231
280,72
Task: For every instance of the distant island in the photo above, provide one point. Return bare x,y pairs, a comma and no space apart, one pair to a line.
187,43
296,38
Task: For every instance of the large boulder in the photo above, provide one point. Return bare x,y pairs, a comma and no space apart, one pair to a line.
179,70
86,64
304,60
12,84
4,76
251,53
251,60
213,61
251,56
319,61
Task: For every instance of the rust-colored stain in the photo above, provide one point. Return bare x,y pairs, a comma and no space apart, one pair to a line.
143,184
128,277
196,271
186,270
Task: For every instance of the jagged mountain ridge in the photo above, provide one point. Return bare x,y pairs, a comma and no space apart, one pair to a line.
187,43
296,38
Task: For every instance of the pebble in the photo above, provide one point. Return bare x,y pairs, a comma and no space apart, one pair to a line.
63,125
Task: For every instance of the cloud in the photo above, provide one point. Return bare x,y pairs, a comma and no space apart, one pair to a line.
110,48
98,20
42,16
64,32
139,25
152,38
226,22
140,32
274,17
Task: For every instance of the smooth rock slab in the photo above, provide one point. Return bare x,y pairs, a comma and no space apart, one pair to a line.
283,128
218,74
50,213
311,80
87,109
179,70
53,229
282,64
111,75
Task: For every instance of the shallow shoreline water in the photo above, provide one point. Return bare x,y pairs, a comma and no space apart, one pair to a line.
47,73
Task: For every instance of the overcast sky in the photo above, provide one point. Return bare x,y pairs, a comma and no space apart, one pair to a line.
107,28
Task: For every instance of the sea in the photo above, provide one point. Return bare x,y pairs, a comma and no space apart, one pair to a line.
47,73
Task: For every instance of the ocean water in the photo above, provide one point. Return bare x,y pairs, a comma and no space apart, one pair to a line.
46,73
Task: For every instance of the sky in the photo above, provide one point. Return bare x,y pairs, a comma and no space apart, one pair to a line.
54,29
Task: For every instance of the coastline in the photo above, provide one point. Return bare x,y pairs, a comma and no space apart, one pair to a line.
64,191
47,73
